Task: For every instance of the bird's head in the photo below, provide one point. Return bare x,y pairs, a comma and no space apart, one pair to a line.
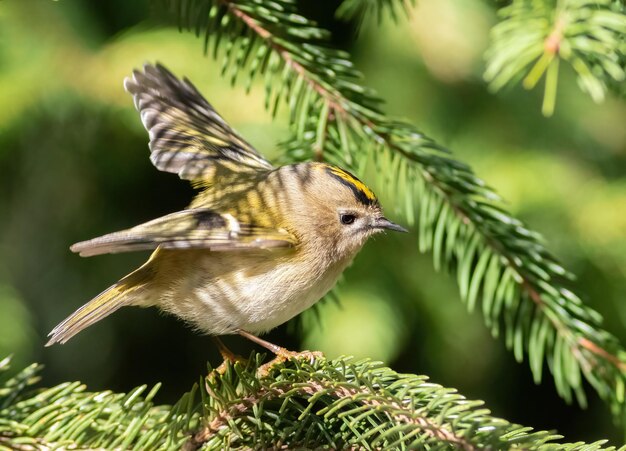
332,209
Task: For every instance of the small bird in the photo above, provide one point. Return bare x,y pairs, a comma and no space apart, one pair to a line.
258,245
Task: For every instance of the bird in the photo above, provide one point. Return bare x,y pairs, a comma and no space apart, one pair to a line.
258,244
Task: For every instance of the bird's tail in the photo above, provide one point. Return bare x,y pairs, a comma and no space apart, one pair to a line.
125,292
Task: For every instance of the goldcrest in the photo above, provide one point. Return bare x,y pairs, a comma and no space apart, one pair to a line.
258,245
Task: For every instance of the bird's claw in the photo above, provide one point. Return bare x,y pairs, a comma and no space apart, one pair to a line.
283,355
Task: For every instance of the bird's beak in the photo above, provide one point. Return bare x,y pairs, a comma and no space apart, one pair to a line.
384,223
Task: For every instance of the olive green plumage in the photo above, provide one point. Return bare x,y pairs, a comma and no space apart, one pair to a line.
257,245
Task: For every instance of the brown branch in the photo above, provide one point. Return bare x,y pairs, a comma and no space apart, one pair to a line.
332,97
222,418
594,348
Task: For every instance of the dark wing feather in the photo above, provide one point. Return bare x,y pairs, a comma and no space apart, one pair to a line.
187,136
188,229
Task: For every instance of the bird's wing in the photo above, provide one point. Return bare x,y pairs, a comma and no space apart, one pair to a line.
188,229
187,136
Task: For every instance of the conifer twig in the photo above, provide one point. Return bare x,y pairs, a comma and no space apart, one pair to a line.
338,404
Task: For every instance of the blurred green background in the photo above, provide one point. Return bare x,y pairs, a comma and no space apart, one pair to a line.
74,164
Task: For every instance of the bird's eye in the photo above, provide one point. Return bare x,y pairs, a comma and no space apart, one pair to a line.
347,218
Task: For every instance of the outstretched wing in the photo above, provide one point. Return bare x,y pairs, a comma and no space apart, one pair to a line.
188,229
187,136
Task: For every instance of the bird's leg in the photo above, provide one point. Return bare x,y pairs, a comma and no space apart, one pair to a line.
227,355
282,354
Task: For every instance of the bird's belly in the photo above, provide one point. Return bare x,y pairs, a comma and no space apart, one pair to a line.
218,300
269,306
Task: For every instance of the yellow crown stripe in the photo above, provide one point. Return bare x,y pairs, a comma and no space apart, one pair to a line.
359,185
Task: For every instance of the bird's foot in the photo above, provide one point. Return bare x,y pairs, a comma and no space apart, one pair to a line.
283,355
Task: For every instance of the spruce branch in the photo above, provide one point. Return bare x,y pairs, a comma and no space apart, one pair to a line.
67,415
499,262
337,404
534,37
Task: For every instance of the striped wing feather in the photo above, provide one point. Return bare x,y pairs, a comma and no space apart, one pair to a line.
187,136
188,229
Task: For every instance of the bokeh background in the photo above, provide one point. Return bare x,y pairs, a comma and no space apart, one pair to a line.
74,164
